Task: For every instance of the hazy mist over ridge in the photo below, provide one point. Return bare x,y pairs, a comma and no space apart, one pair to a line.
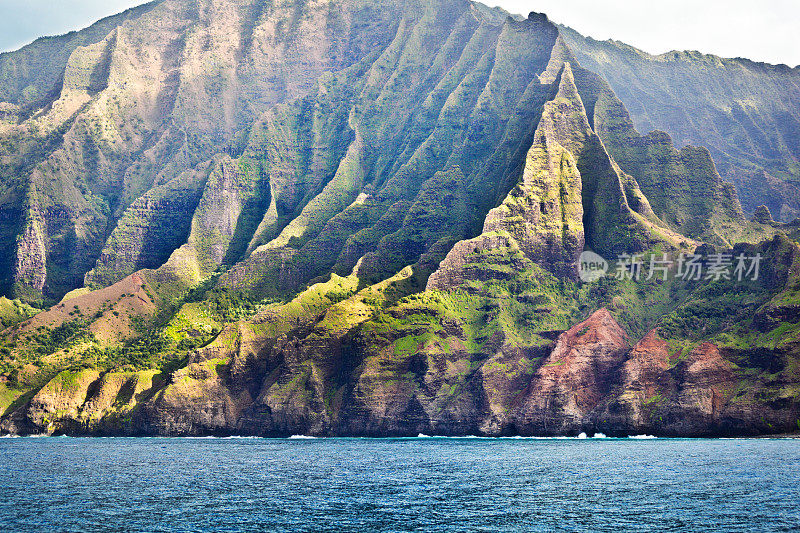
762,32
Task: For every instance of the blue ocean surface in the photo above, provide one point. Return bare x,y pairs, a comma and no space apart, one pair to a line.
422,484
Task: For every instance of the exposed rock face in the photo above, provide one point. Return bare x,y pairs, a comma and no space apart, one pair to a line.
672,392
30,268
549,212
61,399
544,212
359,217
762,215
575,378
645,381
457,268
589,380
707,380
413,89
197,402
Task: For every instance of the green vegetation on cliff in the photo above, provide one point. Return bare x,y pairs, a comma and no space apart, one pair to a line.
366,218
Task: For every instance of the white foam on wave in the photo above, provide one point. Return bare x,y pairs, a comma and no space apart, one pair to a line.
548,438
642,437
600,436
301,437
481,437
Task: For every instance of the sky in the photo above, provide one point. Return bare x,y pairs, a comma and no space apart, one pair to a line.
763,30
22,21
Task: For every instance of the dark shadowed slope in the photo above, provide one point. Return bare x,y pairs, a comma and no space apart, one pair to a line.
747,114
363,217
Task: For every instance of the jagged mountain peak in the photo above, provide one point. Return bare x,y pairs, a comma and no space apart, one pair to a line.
153,128
726,117
123,153
348,217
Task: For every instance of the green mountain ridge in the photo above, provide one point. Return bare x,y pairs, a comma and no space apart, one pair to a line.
744,112
365,218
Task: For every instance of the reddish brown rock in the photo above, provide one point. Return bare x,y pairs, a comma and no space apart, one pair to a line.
645,384
708,381
575,378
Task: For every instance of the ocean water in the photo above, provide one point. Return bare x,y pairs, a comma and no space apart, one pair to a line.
423,484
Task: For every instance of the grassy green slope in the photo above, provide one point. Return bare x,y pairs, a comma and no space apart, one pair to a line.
298,261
